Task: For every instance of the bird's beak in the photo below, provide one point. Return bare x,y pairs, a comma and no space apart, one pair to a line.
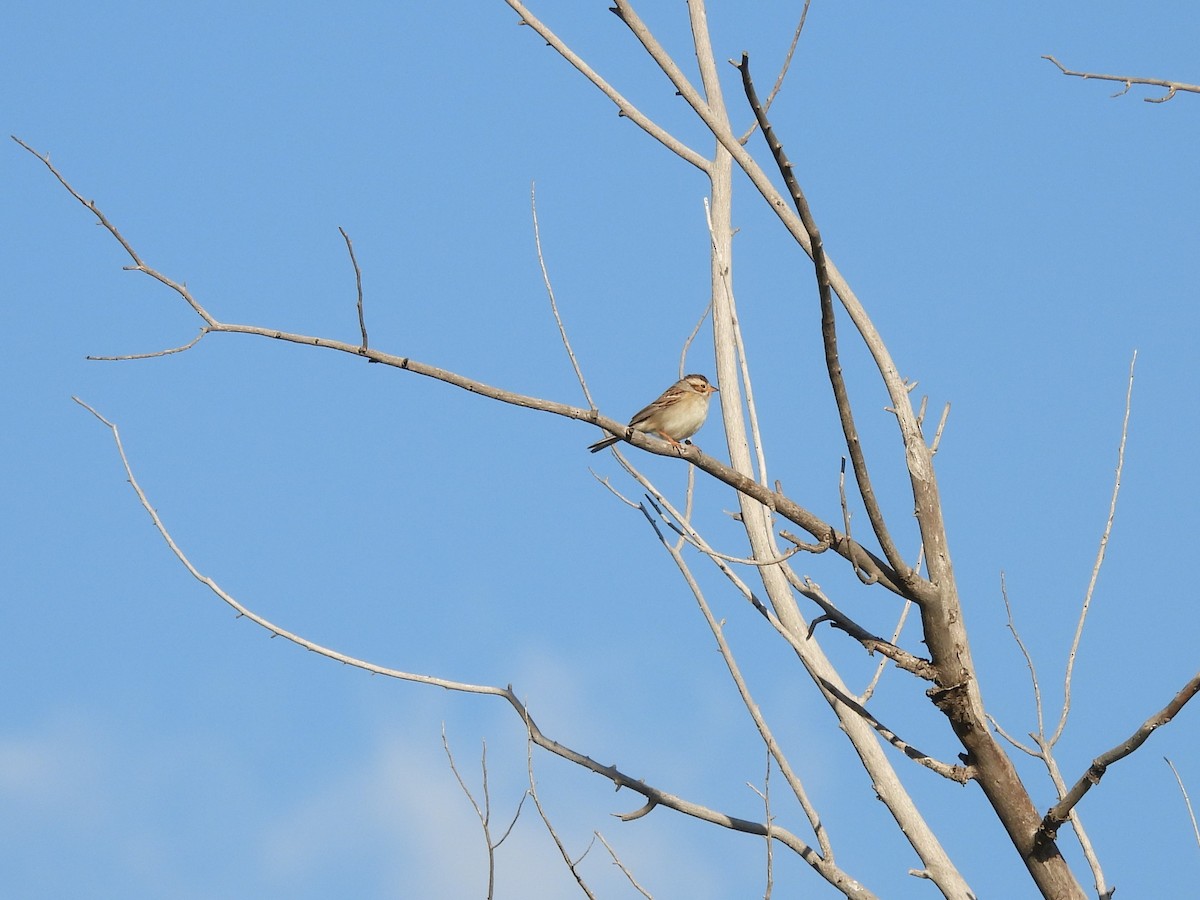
712,388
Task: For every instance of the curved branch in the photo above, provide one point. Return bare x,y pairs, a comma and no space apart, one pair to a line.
1187,801
612,773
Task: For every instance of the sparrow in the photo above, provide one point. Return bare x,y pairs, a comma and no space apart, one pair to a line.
676,415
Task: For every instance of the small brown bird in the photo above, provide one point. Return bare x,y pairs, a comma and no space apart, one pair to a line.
676,415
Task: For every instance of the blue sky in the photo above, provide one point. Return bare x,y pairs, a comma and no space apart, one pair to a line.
1016,235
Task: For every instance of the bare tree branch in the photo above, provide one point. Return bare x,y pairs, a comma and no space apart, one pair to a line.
828,329
562,330
624,107
620,865
1186,799
188,346
1129,81
1058,813
572,864
872,643
612,773
765,794
1045,750
722,269
783,70
960,774
1100,552
789,509
485,814
822,863
362,322
138,265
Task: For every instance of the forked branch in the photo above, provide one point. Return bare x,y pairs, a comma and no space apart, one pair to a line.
1058,813
485,814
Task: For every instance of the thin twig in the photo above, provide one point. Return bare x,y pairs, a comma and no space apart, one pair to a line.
624,107
869,690
765,794
1100,552
138,265
689,534
188,346
1186,799
562,331
485,814
362,322
1012,627
620,865
687,342
937,437
783,70
1172,86
1058,813
721,265
572,865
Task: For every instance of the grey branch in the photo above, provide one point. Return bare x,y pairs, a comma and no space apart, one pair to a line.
1129,81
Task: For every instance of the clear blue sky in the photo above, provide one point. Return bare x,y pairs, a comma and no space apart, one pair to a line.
1016,234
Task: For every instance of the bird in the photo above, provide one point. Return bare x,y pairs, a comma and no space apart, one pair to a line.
674,416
